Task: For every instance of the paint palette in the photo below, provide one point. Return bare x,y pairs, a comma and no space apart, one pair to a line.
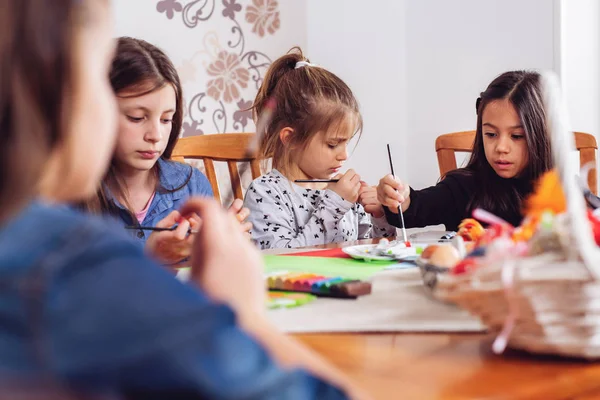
382,252
318,285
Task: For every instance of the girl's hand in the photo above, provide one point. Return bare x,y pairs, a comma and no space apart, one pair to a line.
391,192
229,269
170,247
241,214
368,198
348,185
225,264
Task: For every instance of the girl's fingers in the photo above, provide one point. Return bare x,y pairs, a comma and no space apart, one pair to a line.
181,232
392,181
246,227
365,190
392,194
236,206
369,195
195,223
194,217
243,214
170,220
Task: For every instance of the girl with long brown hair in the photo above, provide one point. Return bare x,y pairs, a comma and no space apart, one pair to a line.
143,187
511,151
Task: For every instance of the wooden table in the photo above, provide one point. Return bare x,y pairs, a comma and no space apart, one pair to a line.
452,366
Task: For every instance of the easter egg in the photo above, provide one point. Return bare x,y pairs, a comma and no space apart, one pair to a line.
466,265
444,256
429,251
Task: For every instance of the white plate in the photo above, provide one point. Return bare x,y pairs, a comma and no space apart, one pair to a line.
365,252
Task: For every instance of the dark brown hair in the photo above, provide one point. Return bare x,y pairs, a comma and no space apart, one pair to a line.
500,195
36,73
308,100
140,68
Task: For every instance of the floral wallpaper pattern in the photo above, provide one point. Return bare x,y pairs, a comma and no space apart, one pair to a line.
222,49
235,71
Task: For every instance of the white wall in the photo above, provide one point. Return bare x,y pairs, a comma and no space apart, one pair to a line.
454,50
364,44
580,63
417,67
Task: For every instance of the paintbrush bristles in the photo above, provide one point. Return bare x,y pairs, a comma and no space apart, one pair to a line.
316,180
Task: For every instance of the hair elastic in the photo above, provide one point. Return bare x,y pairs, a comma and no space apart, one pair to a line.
301,64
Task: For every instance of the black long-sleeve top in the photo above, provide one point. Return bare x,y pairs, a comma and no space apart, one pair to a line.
449,202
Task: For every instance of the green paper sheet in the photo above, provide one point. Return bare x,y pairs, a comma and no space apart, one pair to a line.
327,266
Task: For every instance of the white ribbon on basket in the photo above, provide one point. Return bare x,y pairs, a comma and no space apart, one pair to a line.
583,244
563,144
508,278
506,253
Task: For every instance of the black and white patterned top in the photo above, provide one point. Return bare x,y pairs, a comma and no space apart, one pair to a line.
285,215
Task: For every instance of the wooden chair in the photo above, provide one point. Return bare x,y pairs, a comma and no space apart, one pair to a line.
225,147
448,144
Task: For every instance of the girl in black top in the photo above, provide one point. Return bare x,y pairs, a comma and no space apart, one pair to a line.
511,150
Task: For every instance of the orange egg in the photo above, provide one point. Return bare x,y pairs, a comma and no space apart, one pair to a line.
470,230
445,256
429,251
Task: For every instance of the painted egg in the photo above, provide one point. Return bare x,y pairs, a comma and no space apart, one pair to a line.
445,256
470,230
426,254
466,265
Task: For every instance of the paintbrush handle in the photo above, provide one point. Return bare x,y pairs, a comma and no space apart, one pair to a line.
156,229
402,221
150,228
316,180
399,206
390,158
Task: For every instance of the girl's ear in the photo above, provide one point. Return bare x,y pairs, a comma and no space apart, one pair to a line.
285,135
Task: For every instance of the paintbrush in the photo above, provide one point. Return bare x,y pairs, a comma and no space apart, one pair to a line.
264,119
154,228
316,180
399,206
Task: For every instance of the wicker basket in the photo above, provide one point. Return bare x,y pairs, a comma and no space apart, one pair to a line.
549,303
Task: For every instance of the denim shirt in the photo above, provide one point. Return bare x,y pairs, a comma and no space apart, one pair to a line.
172,175
81,305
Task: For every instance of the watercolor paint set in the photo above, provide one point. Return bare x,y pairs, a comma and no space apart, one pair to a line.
317,285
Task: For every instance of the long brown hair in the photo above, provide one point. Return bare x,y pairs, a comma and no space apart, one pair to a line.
36,73
140,68
496,194
308,99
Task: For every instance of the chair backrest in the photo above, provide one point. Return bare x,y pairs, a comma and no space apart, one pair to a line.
225,147
448,144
